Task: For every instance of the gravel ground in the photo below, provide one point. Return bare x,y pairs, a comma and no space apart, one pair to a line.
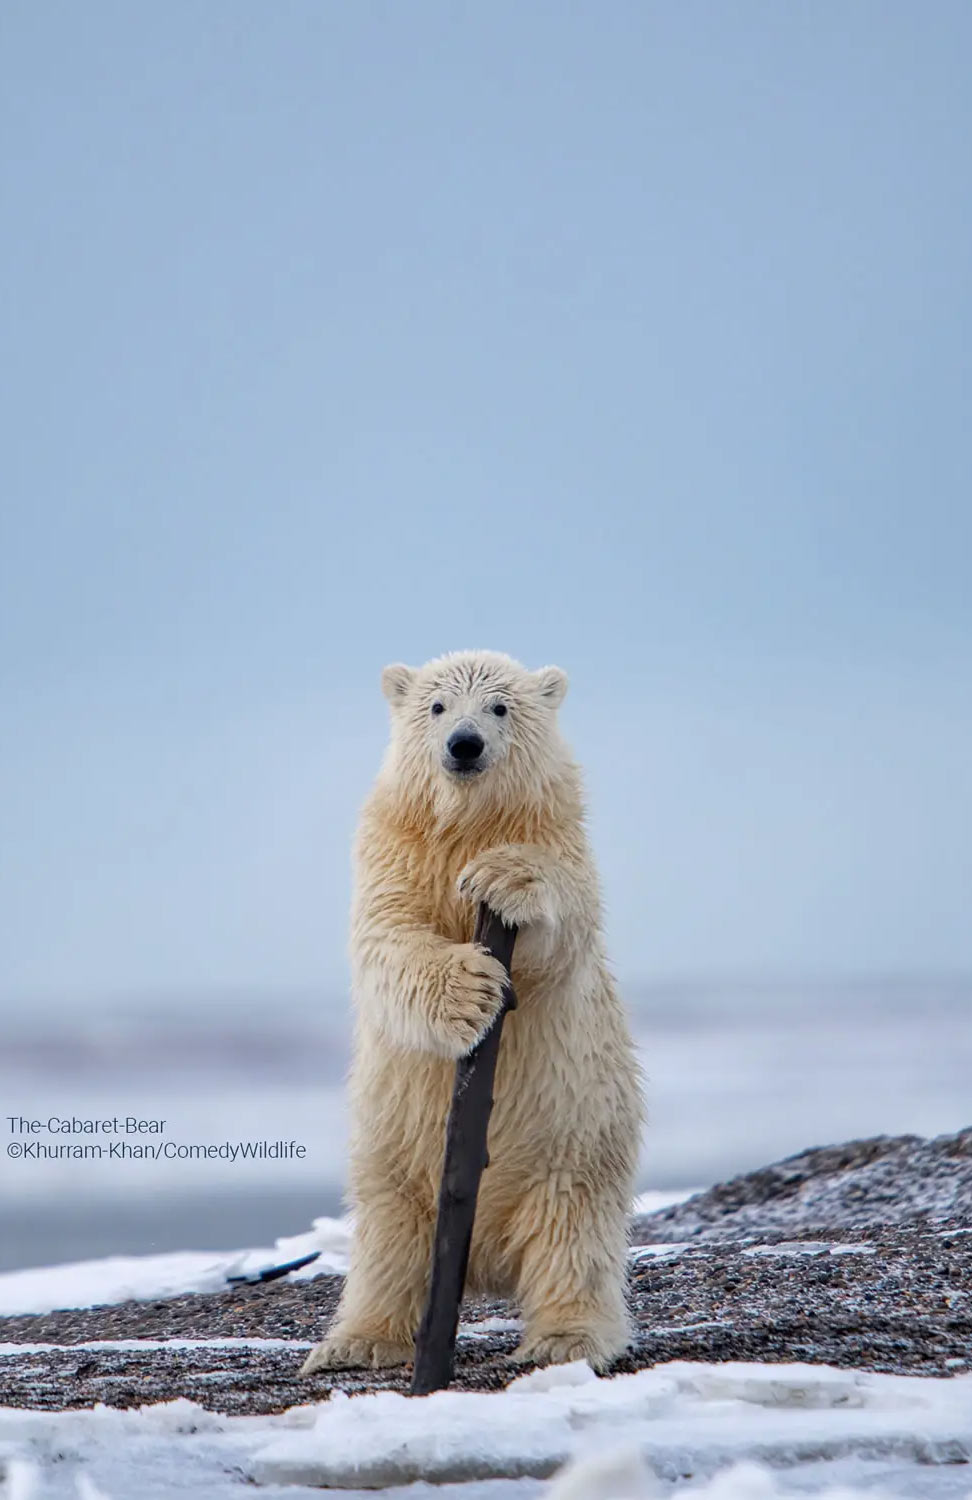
791,1263
886,1180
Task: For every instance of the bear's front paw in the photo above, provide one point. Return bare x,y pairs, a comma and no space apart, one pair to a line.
351,1351
513,884
472,993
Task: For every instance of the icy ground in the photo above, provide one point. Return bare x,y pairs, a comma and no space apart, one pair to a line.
687,1429
146,1278
713,1431
883,1180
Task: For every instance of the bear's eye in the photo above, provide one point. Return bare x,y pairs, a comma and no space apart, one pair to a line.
499,709
438,708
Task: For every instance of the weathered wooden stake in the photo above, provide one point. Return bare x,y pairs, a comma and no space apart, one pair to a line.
462,1168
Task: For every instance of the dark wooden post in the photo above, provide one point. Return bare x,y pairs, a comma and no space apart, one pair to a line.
462,1168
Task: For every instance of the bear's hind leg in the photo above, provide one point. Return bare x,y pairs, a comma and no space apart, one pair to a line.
572,1244
384,1295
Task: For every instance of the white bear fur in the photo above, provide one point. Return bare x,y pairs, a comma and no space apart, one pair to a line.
563,1141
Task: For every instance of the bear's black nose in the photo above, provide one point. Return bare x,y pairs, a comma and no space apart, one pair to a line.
464,744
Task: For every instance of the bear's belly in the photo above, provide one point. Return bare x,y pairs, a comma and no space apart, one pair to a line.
544,1112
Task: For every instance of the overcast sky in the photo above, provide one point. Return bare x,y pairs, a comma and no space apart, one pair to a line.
629,336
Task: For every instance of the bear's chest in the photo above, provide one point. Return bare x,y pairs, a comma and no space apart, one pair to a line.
434,874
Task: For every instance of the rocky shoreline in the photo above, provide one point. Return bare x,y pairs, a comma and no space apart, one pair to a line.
858,1256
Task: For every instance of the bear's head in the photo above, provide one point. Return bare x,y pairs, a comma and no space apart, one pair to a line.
473,726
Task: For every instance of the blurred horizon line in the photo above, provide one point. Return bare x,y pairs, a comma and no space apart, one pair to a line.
661,984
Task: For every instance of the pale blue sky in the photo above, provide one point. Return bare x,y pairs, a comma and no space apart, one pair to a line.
630,336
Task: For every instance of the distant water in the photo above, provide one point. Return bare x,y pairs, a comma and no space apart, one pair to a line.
738,1075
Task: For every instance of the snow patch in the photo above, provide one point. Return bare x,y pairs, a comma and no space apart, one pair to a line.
149,1278
659,1252
623,1475
490,1325
686,1419
141,1345
811,1247
713,1432
658,1198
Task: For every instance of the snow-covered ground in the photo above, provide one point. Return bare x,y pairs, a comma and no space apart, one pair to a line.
731,1086
691,1429
148,1277
722,1432
684,1419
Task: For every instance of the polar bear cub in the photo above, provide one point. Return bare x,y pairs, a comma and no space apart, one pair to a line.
479,799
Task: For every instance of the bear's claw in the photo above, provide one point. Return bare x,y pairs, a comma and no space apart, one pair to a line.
355,1352
511,883
471,997
563,1349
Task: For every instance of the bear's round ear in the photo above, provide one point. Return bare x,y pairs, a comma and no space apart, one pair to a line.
552,683
395,683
